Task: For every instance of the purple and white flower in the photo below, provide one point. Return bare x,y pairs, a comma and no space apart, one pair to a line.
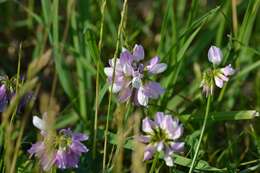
7,92
217,75
161,135
131,76
63,151
4,98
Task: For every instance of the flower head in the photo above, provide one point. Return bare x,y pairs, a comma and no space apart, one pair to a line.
7,92
131,76
161,135
216,75
63,150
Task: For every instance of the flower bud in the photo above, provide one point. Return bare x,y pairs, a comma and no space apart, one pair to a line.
215,55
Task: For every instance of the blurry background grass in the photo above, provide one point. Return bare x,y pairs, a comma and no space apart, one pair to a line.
179,31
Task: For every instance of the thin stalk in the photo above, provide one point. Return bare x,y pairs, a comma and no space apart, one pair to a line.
17,77
19,140
201,134
120,29
97,76
154,164
234,17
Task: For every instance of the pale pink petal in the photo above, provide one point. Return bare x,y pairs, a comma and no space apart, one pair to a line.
218,82
124,94
228,70
149,152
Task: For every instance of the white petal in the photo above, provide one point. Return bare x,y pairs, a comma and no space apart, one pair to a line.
128,70
116,88
39,123
168,160
218,82
108,71
136,82
158,68
160,146
142,99
223,77
147,125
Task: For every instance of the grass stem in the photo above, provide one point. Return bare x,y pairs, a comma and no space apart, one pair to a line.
97,76
120,30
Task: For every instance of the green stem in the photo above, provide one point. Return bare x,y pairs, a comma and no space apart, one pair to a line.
201,134
17,78
97,77
154,163
120,30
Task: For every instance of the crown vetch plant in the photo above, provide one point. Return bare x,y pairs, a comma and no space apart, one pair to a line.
63,149
161,135
132,76
215,75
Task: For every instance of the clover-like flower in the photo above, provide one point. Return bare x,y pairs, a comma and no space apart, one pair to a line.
4,98
63,150
161,135
215,75
131,76
7,92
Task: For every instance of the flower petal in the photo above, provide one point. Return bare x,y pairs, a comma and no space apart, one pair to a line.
144,139
168,160
218,82
177,133
39,123
223,77
136,82
159,118
148,125
4,98
228,70
153,90
108,71
116,87
128,69
160,146
149,152
138,52
124,94
155,60
177,146
141,97
158,68
79,137
126,58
